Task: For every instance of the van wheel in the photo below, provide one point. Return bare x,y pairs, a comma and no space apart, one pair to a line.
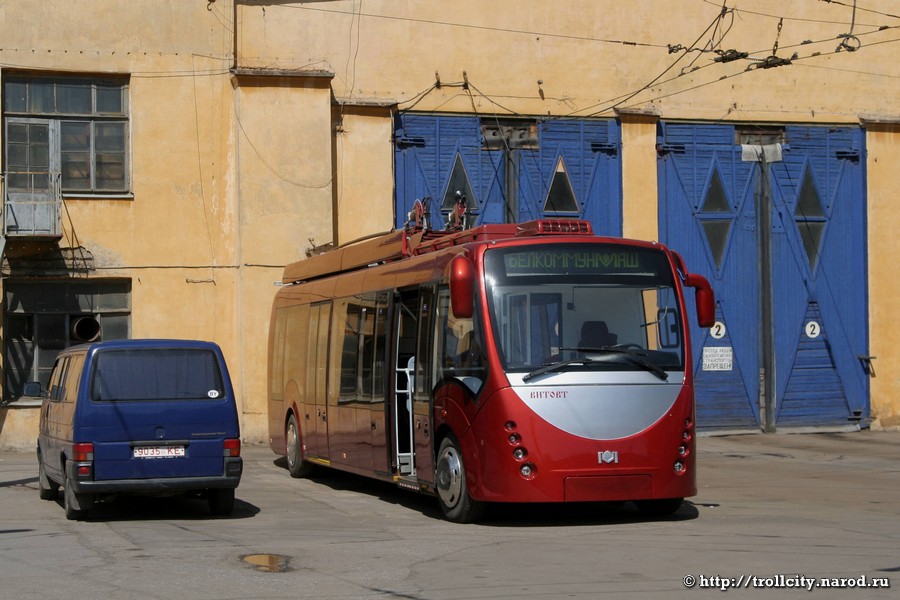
47,489
76,505
450,480
297,467
221,502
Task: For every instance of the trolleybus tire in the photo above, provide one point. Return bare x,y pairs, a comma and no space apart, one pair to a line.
297,467
450,478
659,508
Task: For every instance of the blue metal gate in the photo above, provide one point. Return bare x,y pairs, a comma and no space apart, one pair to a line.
560,169
709,198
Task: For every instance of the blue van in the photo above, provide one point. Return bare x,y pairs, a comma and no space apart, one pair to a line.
139,416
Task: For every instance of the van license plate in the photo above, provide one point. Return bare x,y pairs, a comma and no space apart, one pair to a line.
158,451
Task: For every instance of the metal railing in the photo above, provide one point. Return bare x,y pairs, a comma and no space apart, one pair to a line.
34,210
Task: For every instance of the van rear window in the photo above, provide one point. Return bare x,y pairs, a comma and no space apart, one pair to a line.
156,374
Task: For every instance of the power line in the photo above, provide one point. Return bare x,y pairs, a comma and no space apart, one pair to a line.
714,24
807,20
462,25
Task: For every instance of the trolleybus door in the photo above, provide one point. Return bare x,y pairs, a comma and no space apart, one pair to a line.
316,413
404,328
422,392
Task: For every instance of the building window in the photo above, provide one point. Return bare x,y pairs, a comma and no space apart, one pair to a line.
73,128
43,318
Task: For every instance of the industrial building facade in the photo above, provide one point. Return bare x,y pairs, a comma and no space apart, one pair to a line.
162,161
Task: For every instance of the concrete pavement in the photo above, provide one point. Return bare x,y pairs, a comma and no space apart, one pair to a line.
773,513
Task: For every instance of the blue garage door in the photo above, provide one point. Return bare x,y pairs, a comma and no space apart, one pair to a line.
709,196
514,173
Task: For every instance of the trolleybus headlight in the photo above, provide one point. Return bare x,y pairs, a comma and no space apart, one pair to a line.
514,438
679,466
686,436
520,453
527,470
682,450
509,425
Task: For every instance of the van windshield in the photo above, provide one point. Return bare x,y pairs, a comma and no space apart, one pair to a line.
156,374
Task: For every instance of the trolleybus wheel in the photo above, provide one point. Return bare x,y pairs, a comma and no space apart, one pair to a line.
297,467
450,478
659,508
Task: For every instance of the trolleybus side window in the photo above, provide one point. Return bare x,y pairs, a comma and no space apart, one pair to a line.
317,353
362,332
349,348
459,346
423,353
276,364
296,349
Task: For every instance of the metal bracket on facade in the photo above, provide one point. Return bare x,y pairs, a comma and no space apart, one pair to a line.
867,365
670,148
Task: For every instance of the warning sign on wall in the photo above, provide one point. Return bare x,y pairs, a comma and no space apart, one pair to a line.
717,358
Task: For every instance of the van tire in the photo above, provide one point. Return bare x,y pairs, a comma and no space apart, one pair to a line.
221,501
297,467
47,489
73,502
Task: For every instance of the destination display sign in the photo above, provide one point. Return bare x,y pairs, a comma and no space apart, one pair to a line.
582,261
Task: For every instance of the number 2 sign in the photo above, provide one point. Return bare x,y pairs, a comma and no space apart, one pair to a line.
812,330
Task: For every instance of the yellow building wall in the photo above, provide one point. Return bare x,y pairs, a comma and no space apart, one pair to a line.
285,189
607,60
586,58
883,147
639,183
364,164
243,157
174,237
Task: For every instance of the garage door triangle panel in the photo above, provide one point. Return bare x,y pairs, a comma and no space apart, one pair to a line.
814,393
723,402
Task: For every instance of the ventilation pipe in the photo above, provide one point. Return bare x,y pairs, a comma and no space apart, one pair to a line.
85,329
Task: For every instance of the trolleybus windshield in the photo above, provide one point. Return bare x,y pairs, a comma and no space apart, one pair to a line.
584,307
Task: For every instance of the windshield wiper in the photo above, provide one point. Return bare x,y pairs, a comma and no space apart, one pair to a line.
556,366
633,356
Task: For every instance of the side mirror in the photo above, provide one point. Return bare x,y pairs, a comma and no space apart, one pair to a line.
705,299
32,388
462,287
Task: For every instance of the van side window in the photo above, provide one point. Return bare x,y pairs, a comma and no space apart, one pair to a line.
56,379
73,377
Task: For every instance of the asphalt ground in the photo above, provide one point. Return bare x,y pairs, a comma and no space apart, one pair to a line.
775,515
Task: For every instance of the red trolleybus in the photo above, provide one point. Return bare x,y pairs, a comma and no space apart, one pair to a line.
529,362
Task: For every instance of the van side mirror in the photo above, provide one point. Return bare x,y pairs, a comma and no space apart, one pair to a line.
462,287
705,299
32,388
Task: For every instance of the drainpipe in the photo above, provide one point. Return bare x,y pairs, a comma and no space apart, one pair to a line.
764,155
